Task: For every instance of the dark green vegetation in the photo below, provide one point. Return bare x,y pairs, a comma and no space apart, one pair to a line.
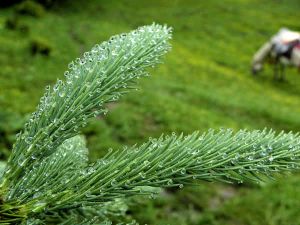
205,82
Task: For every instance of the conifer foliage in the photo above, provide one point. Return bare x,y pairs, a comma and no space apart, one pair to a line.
48,179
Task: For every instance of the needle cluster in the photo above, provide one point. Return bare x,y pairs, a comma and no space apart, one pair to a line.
49,180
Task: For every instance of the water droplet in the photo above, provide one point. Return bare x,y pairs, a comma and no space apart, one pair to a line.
71,65
169,182
152,196
127,183
39,206
96,113
28,140
271,158
21,161
263,153
113,182
224,155
75,128
61,94
91,170
142,175
250,157
183,171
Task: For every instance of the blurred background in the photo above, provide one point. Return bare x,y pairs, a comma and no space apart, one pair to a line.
205,82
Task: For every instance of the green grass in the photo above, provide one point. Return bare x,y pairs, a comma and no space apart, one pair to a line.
205,82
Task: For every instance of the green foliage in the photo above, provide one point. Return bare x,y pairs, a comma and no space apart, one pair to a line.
12,23
2,167
30,8
205,83
40,46
100,77
97,78
48,179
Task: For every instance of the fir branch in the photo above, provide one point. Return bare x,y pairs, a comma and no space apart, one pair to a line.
44,179
171,161
64,164
48,179
101,76
175,161
2,167
101,214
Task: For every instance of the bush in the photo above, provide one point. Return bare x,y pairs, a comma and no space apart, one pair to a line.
12,23
30,8
40,46
45,3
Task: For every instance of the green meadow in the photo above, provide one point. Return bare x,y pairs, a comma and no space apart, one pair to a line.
204,82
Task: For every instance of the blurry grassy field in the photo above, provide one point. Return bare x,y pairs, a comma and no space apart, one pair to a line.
205,82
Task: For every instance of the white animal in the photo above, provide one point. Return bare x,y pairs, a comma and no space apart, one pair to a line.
283,49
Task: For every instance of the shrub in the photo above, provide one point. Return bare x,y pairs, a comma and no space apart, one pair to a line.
12,23
40,46
48,179
30,8
45,3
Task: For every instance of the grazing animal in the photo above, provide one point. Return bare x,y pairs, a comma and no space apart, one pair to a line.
282,50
